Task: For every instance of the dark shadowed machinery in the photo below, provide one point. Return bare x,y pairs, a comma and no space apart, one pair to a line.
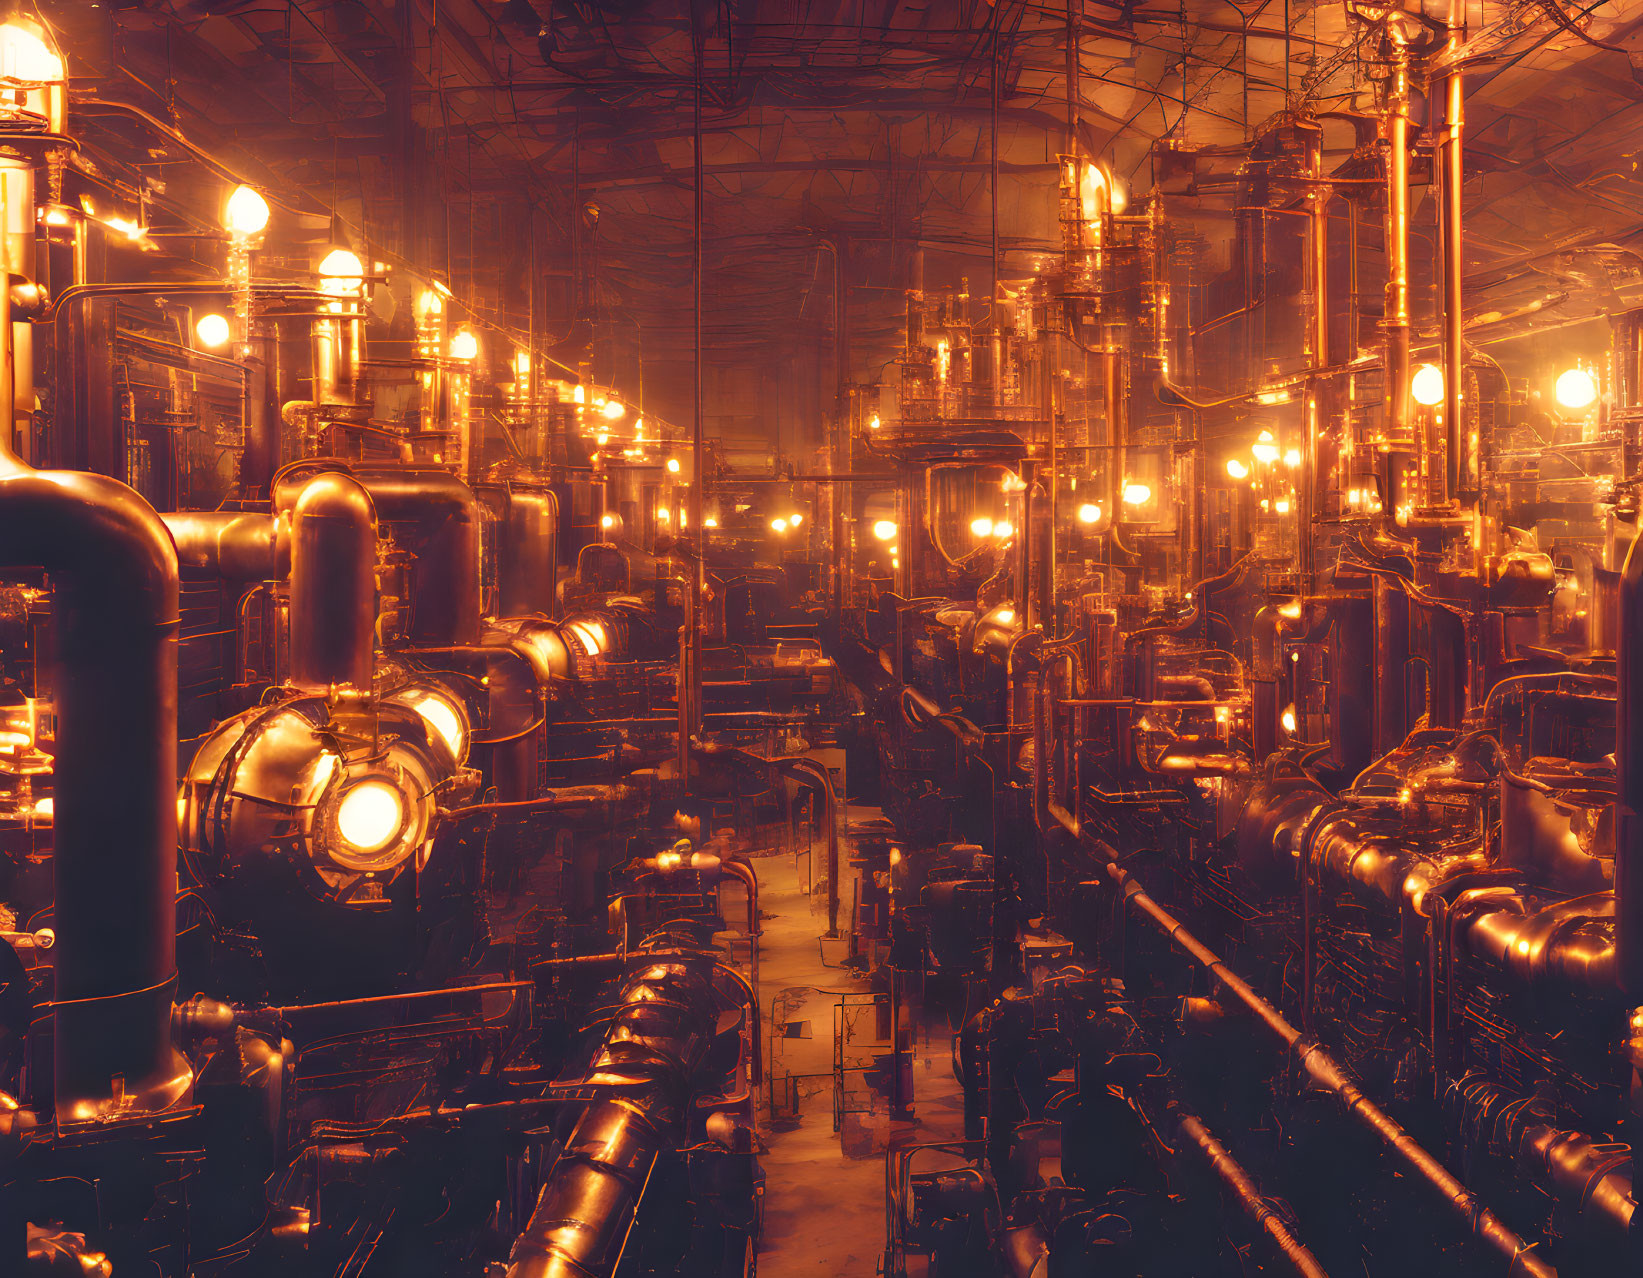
663,639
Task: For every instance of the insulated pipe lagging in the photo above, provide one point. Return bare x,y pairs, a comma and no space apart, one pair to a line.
114,689
635,1090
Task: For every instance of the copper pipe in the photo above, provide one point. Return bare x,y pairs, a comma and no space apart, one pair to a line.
1458,465
441,528
234,545
1247,1194
1318,245
1322,1070
1395,322
632,1100
1628,750
333,581
114,691
528,557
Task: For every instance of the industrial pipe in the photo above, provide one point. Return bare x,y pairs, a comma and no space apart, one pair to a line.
1247,1194
333,580
1395,322
1322,1070
441,519
114,690
233,545
1628,754
528,556
1449,192
636,1089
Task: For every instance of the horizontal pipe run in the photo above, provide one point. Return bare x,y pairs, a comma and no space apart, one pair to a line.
1247,1194
1322,1069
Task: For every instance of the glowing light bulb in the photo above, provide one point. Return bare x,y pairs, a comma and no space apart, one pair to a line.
440,715
341,272
673,465
1292,457
607,521
710,522
1237,469
246,212
464,344
884,530
1004,616
1427,385
778,525
1094,191
590,633
795,520
370,815
1137,494
1576,388
982,527
26,58
1265,449
1003,530
613,409
1089,513
126,227
1288,718
212,330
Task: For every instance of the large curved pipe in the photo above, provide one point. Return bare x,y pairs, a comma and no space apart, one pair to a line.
114,686
634,1094
441,518
234,545
333,581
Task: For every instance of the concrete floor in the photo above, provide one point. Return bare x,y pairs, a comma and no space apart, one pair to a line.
824,1197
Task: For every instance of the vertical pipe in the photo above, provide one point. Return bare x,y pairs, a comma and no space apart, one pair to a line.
690,647
1628,860
114,692
1395,322
1457,461
1391,656
333,584
1112,399
1318,342
1074,68
18,177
